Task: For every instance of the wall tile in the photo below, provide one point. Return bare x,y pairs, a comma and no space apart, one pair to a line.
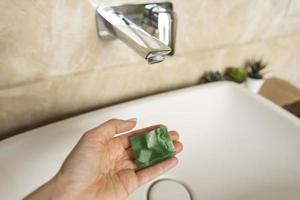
293,8
52,63
41,39
38,103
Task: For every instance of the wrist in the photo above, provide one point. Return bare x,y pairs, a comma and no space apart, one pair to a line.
62,189
47,191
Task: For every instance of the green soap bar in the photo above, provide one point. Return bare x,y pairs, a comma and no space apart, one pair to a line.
152,147
144,155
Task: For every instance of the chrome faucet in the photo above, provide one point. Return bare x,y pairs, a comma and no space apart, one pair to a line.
149,29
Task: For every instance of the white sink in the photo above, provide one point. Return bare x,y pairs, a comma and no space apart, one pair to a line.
237,146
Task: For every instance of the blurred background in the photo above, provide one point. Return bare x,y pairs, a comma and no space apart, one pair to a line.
53,64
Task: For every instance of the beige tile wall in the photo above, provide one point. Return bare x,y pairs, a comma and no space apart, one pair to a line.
53,65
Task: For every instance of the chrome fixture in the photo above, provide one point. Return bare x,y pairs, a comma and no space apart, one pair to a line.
149,29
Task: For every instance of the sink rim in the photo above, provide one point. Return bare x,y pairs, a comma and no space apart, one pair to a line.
226,84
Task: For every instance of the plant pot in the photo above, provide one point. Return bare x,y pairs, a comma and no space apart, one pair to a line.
254,84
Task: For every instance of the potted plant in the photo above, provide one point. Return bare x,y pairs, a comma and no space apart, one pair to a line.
255,78
211,76
235,74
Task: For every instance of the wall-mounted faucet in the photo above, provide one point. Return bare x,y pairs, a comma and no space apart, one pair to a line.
149,29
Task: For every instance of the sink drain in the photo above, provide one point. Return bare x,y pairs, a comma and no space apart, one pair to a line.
168,189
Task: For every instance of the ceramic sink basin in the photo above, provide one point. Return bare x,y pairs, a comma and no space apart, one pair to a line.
237,146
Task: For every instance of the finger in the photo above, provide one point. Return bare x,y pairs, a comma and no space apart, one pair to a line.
178,146
113,126
125,139
174,135
150,173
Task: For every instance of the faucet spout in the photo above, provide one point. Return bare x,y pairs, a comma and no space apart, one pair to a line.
147,29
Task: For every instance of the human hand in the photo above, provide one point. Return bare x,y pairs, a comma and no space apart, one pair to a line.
102,166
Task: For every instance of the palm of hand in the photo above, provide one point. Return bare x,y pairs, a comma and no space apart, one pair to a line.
102,167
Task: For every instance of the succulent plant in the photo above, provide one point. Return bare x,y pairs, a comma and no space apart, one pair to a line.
211,76
235,74
254,68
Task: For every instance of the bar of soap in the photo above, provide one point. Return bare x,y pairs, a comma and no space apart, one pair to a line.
152,147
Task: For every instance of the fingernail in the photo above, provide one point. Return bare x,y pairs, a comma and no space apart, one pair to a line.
132,120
